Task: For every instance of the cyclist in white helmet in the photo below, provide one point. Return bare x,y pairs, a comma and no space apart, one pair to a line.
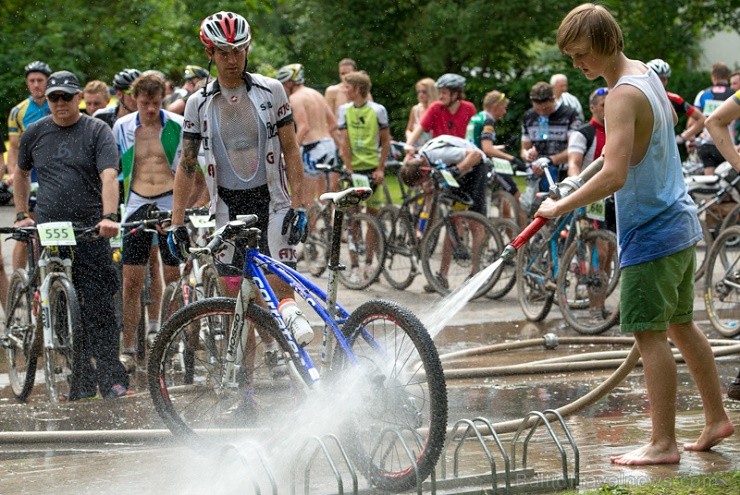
245,123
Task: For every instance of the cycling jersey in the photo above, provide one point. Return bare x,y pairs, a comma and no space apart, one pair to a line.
273,111
588,140
681,106
480,127
561,123
25,113
709,99
363,125
439,121
109,115
124,130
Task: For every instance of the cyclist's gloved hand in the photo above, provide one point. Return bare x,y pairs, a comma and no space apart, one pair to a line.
178,240
542,163
295,225
518,164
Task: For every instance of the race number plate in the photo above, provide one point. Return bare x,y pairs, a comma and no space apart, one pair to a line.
117,240
596,211
501,166
56,234
202,221
360,180
449,179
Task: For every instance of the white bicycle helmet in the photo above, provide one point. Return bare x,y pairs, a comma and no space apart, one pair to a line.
660,67
124,79
225,30
37,66
292,72
451,81
194,72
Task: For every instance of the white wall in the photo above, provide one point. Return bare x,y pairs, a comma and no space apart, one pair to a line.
721,47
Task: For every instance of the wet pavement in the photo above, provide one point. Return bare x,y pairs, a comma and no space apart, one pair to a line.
133,454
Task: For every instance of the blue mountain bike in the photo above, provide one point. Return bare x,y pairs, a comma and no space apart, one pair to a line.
379,383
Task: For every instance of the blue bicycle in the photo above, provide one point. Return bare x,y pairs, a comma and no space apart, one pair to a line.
245,372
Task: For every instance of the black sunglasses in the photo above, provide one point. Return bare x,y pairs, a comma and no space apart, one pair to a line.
55,97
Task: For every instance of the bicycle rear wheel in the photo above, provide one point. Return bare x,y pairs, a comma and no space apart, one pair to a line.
399,268
507,273
364,252
400,392
458,247
19,336
702,250
316,248
61,359
588,279
534,284
503,205
195,400
722,283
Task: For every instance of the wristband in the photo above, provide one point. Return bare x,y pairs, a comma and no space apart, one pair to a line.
21,215
113,217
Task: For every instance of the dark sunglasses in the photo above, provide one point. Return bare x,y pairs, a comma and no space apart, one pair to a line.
601,92
55,97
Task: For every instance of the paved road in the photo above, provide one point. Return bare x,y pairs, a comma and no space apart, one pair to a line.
140,466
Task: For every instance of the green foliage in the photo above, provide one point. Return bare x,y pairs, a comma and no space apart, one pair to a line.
494,44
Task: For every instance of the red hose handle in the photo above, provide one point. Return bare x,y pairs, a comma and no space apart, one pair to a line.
529,231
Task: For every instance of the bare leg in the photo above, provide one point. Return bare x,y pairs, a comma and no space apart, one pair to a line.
660,378
133,283
697,352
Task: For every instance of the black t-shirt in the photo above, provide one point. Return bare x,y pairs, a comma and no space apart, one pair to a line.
68,161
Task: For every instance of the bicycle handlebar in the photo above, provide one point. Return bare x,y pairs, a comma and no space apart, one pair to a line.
556,192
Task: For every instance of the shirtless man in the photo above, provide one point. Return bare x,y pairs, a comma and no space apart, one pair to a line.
334,95
316,129
149,142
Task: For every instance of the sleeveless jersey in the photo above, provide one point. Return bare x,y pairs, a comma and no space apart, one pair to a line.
363,125
708,100
655,215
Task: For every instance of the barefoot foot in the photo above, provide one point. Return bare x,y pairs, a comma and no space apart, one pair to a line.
711,435
647,455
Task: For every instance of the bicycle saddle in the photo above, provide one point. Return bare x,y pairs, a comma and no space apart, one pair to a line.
348,197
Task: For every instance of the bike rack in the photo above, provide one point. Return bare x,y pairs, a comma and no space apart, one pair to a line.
324,461
515,480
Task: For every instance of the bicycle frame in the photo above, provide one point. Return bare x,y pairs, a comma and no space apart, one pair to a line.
254,286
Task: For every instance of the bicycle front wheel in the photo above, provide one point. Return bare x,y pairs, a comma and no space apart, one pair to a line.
19,336
588,279
187,373
399,269
401,396
534,281
364,252
722,283
506,279
458,247
61,359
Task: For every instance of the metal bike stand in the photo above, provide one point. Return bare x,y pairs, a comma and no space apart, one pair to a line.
311,457
482,433
252,468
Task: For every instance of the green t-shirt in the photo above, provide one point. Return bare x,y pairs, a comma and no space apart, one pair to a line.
363,125
480,127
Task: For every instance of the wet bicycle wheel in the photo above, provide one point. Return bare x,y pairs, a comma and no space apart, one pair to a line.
458,247
534,281
19,336
364,251
587,283
722,283
506,279
315,253
195,400
398,423
399,269
60,361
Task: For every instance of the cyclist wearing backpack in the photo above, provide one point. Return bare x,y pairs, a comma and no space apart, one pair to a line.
708,100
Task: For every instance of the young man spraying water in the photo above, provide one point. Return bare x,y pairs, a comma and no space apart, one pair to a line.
657,230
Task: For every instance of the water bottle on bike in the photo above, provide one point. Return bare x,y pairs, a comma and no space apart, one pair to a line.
296,321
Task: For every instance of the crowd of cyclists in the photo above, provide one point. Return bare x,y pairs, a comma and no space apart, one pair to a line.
258,154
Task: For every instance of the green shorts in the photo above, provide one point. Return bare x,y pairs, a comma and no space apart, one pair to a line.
658,293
